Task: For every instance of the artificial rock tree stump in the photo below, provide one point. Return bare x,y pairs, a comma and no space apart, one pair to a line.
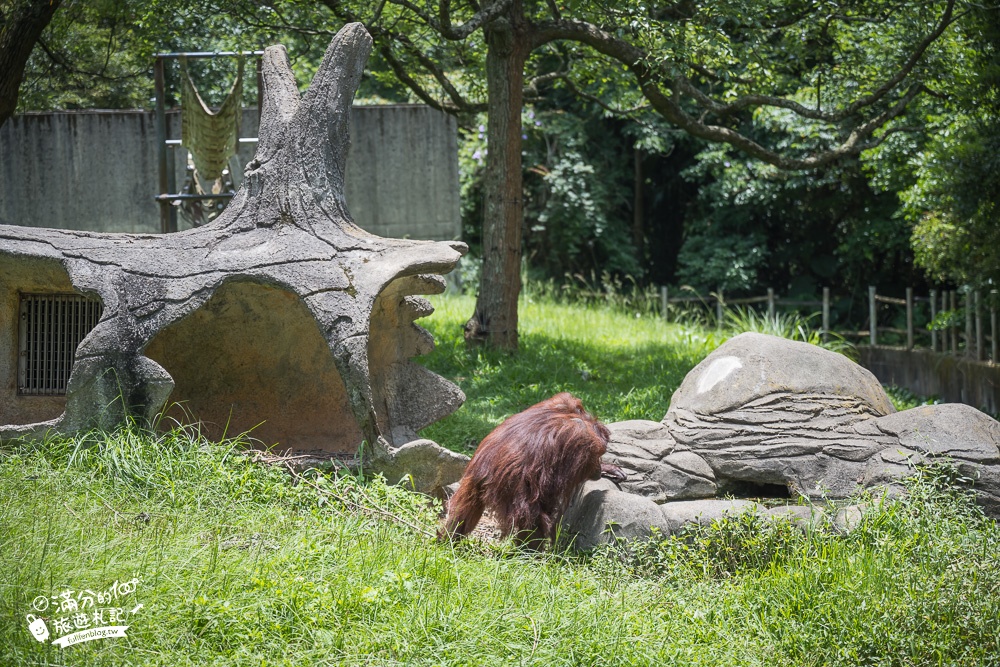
280,311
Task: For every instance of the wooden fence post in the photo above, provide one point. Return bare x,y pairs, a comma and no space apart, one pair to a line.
872,313
954,330
993,327
770,303
664,301
968,322
980,348
826,313
909,318
933,300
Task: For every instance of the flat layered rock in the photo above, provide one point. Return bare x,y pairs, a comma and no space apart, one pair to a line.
656,467
764,417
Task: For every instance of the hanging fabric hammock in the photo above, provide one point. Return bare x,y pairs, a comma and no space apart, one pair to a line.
211,137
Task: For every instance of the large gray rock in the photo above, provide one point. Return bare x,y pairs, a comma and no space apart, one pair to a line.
764,416
954,430
281,311
751,367
769,411
656,467
962,434
423,465
600,513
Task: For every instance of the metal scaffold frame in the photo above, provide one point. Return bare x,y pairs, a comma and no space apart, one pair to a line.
165,164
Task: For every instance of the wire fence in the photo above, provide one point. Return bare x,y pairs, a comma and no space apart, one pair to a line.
956,322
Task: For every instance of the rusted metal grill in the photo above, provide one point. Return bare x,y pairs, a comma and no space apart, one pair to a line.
51,328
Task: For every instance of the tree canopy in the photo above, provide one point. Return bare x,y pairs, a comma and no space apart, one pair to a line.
843,131
726,72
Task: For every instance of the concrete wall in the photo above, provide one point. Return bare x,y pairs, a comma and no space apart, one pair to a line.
97,170
927,373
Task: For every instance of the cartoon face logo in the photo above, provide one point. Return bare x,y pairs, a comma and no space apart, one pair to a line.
38,628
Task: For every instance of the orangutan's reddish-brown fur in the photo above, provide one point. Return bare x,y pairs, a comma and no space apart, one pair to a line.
528,468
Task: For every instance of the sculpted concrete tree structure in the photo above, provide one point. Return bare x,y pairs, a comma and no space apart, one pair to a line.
281,311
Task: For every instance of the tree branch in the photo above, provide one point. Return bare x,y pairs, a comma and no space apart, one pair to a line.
443,22
61,62
531,87
598,101
457,105
682,84
709,74
669,107
384,37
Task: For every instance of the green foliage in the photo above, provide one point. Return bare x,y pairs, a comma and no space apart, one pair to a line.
731,262
949,197
576,187
100,53
953,203
904,399
755,226
740,544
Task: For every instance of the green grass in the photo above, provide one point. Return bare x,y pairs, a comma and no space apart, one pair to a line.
622,366
239,565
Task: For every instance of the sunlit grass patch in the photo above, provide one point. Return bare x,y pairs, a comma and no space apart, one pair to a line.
621,365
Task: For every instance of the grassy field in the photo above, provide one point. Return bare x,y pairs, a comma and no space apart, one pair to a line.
233,564
621,366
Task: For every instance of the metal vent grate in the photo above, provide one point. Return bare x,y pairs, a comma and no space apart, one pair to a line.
51,328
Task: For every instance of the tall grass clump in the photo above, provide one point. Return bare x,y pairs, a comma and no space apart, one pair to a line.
912,584
791,325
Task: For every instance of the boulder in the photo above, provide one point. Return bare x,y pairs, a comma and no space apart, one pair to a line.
424,466
967,437
600,513
763,410
765,417
657,468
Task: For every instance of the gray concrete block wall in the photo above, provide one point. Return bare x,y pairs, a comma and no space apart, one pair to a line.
96,170
404,149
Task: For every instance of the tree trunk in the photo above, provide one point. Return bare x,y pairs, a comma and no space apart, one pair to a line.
20,27
495,318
